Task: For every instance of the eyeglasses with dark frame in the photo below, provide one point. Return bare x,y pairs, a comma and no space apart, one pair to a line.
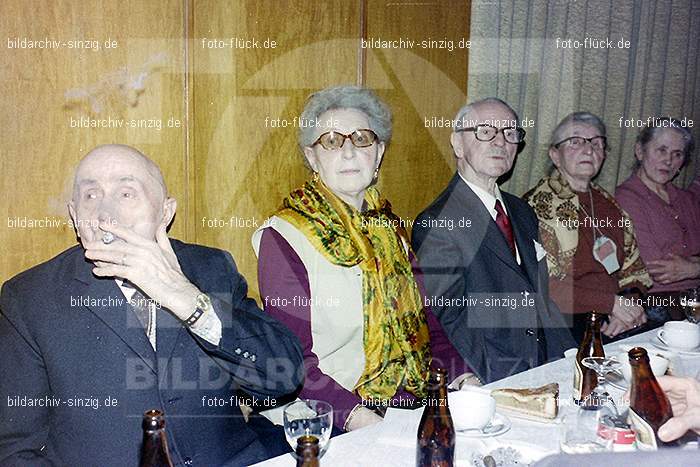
487,132
333,140
599,143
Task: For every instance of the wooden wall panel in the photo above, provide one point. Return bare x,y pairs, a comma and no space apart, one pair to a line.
427,80
40,149
243,166
229,165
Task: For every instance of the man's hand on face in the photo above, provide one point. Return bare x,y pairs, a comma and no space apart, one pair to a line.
149,265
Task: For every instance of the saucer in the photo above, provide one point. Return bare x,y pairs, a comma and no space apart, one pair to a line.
656,342
498,425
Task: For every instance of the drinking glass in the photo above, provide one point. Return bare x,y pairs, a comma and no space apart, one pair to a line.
582,432
308,417
587,429
690,302
602,366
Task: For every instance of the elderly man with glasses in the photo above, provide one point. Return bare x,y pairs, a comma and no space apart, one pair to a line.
489,275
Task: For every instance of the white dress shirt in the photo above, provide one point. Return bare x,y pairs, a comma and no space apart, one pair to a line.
489,202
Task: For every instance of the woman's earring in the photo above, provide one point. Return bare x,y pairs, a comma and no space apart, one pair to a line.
376,173
315,177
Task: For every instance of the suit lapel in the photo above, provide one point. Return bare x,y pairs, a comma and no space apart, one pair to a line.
526,247
118,315
169,328
484,229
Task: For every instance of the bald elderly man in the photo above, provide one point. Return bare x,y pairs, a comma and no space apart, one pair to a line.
130,320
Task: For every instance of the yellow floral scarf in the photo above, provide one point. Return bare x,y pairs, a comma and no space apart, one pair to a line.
557,208
396,336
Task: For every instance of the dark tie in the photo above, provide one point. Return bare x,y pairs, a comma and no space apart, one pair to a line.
139,304
504,225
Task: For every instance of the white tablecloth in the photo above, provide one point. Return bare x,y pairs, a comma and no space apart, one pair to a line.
393,443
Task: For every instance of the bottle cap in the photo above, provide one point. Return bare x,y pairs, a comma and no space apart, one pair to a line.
637,354
307,439
153,420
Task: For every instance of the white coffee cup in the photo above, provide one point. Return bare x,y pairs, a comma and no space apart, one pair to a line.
681,335
658,364
471,409
570,354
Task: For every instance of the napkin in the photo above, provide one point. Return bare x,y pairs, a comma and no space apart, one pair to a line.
400,427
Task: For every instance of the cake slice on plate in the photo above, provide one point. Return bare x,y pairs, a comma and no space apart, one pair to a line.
540,404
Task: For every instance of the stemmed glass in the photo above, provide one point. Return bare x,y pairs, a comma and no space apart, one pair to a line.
308,417
585,430
690,302
602,366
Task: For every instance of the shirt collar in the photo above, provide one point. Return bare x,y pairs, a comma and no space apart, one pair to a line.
487,199
127,291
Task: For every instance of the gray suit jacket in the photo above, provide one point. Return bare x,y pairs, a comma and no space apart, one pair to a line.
496,313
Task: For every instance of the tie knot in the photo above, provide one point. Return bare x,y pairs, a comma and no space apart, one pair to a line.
499,208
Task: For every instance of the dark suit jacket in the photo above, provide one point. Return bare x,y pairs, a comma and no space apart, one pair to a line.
497,313
73,355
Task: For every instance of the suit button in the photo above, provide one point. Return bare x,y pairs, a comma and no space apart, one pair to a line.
530,332
238,351
187,461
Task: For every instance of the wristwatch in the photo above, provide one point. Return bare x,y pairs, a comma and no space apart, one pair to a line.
203,304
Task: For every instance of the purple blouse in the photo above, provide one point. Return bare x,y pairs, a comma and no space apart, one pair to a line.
694,188
281,273
662,228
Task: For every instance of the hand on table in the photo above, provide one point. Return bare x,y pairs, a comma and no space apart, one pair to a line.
613,327
623,317
673,268
149,265
465,379
362,417
684,395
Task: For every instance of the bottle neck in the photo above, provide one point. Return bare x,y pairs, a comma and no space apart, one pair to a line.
437,392
437,403
307,451
437,384
641,368
307,457
593,336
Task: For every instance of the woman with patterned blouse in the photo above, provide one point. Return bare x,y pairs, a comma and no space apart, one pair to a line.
592,252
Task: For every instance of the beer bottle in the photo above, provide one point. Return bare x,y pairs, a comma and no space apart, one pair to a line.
649,406
586,379
436,433
307,451
154,450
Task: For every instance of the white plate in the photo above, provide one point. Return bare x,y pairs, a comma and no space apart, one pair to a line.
529,453
660,345
498,419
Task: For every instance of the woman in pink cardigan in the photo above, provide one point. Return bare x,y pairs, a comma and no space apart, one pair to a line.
666,218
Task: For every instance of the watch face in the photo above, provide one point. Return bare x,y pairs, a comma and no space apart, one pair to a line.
203,301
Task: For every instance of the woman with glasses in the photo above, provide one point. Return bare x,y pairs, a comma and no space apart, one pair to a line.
335,265
666,218
592,254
